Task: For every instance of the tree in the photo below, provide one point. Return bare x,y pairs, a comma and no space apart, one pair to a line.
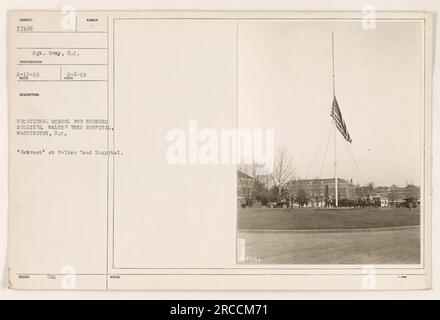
283,170
261,193
316,194
258,189
276,194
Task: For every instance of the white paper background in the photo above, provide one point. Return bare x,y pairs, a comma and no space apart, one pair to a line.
299,5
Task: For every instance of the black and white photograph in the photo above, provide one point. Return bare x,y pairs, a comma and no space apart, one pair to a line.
345,101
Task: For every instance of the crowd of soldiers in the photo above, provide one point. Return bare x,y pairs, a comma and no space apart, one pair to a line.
368,203
354,203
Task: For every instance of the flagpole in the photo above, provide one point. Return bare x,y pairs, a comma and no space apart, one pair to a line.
336,176
334,129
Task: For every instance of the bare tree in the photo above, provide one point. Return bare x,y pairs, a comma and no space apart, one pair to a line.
256,171
247,182
248,168
283,170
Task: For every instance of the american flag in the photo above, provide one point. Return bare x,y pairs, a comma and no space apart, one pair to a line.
340,124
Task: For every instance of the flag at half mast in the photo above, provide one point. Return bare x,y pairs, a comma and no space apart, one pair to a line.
339,122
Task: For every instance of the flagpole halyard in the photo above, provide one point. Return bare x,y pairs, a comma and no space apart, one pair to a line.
333,64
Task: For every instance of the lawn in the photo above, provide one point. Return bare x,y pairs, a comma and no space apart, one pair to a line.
401,246
313,218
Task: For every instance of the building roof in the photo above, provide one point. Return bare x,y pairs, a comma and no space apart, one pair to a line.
325,180
243,175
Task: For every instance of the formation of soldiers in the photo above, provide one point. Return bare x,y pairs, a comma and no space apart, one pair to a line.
353,203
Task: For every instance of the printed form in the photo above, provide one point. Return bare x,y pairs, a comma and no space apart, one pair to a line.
112,184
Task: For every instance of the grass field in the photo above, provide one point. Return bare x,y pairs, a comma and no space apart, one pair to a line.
330,236
313,218
378,247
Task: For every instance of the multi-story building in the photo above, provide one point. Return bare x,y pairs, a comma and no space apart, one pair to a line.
381,192
399,194
244,188
319,188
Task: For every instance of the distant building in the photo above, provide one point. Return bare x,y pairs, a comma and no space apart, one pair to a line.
365,192
320,190
244,188
399,194
381,192
316,188
395,194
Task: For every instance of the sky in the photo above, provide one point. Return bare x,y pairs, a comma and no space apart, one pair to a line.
285,84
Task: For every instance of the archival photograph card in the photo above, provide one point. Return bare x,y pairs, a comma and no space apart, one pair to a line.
219,150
